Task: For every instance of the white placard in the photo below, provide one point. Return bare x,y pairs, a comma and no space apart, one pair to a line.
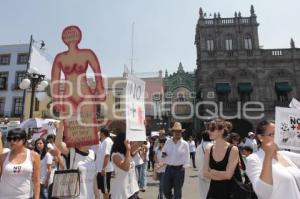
287,128
295,104
135,109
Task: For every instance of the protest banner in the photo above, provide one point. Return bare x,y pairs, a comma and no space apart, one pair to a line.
135,109
287,128
73,97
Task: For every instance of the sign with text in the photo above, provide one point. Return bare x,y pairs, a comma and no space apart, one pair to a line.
287,128
135,109
73,97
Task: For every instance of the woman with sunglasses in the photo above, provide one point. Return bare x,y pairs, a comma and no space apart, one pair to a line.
274,174
19,168
220,161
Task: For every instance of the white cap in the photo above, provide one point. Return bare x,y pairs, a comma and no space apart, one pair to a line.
250,133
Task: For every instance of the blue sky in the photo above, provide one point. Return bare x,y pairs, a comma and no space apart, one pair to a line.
164,29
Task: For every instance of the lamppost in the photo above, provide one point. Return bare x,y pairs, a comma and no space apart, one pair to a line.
35,81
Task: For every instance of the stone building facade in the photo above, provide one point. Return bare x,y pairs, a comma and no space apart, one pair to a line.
234,73
179,96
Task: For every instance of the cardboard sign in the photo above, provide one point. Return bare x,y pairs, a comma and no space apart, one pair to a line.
135,109
73,97
287,128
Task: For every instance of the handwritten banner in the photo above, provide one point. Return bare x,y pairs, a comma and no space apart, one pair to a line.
135,109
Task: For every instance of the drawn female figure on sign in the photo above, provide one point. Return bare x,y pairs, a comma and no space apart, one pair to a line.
77,103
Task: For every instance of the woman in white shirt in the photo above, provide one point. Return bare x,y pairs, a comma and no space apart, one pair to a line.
200,151
19,168
274,174
125,183
84,161
46,162
160,166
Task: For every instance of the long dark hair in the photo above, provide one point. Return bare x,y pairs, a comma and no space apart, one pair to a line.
118,146
44,150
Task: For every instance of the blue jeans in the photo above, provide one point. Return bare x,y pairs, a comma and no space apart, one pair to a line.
143,175
173,179
138,172
161,185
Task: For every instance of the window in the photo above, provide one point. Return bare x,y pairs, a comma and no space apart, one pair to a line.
282,90
36,104
210,45
228,44
3,80
19,77
22,58
5,59
2,104
117,101
248,43
180,97
18,106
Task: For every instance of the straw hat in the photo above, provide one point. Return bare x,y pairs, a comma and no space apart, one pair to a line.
162,131
177,127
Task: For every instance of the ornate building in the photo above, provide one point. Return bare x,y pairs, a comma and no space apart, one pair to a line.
234,73
180,98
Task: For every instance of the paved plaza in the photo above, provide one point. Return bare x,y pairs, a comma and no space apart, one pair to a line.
190,188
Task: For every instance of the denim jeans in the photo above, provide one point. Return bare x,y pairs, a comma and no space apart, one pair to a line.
143,183
161,185
138,172
173,179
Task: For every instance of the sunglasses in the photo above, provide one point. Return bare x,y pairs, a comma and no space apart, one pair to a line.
269,134
15,139
211,129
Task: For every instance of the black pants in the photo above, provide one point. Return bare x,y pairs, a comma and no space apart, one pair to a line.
173,179
192,156
104,182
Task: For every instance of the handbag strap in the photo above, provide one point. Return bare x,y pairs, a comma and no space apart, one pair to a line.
72,159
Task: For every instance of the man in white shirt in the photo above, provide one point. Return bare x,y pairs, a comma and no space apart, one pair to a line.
176,156
105,166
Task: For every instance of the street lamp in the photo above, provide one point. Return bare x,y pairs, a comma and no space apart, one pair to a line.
35,81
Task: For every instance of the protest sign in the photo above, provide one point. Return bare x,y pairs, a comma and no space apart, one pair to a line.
294,104
287,128
73,97
135,109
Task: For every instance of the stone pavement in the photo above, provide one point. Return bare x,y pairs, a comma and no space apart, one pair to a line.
190,188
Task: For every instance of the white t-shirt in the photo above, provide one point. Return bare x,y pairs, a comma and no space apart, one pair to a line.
192,146
177,153
137,159
148,151
124,185
44,162
105,149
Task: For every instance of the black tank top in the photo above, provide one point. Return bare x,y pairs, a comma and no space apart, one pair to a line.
221,189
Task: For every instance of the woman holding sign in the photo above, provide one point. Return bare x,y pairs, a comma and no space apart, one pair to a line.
84,161
274,174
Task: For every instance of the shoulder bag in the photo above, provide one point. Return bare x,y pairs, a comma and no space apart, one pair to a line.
66,183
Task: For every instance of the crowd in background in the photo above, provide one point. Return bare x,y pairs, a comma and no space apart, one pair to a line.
221,157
